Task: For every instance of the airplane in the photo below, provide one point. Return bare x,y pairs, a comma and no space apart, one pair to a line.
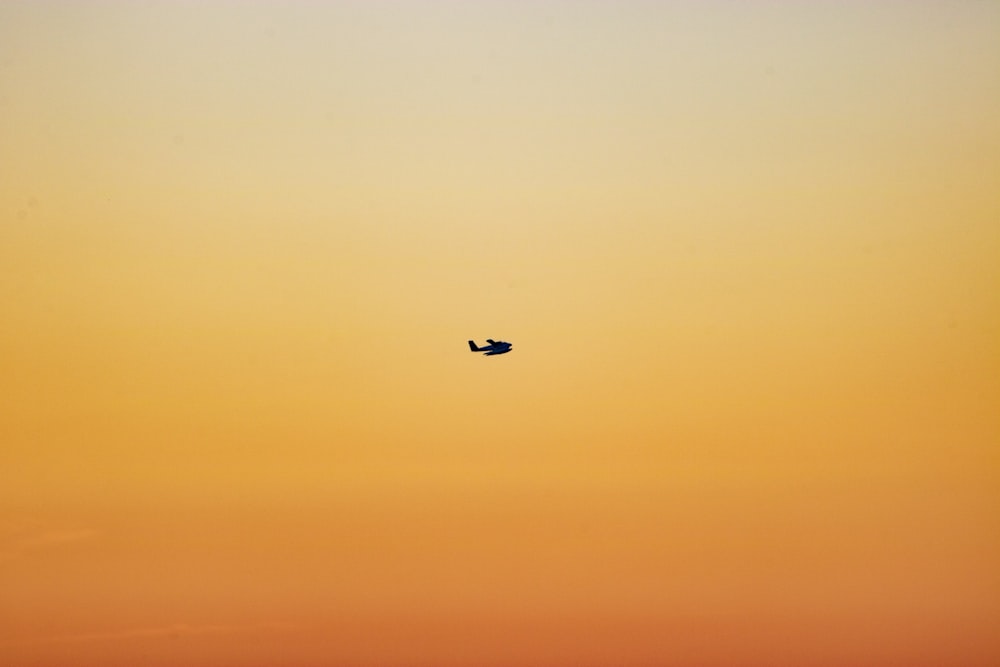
494,347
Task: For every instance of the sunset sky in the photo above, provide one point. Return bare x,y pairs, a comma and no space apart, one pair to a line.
748,254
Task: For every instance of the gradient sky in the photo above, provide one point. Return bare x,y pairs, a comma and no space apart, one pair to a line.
748,255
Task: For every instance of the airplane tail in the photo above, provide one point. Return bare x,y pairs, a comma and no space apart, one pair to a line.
473,346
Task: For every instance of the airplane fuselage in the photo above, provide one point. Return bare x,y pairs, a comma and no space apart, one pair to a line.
494,348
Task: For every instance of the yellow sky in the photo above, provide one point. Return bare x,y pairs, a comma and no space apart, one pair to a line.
747,253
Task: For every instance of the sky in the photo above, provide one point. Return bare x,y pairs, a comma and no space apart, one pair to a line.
748,255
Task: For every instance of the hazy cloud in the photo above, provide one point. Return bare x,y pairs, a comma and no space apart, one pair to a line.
18,539
174,631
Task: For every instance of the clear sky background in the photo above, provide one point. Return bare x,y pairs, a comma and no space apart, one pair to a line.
748,255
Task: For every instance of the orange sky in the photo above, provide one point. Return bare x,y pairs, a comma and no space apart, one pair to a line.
748,256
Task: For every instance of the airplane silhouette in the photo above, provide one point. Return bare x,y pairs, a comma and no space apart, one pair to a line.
494,347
